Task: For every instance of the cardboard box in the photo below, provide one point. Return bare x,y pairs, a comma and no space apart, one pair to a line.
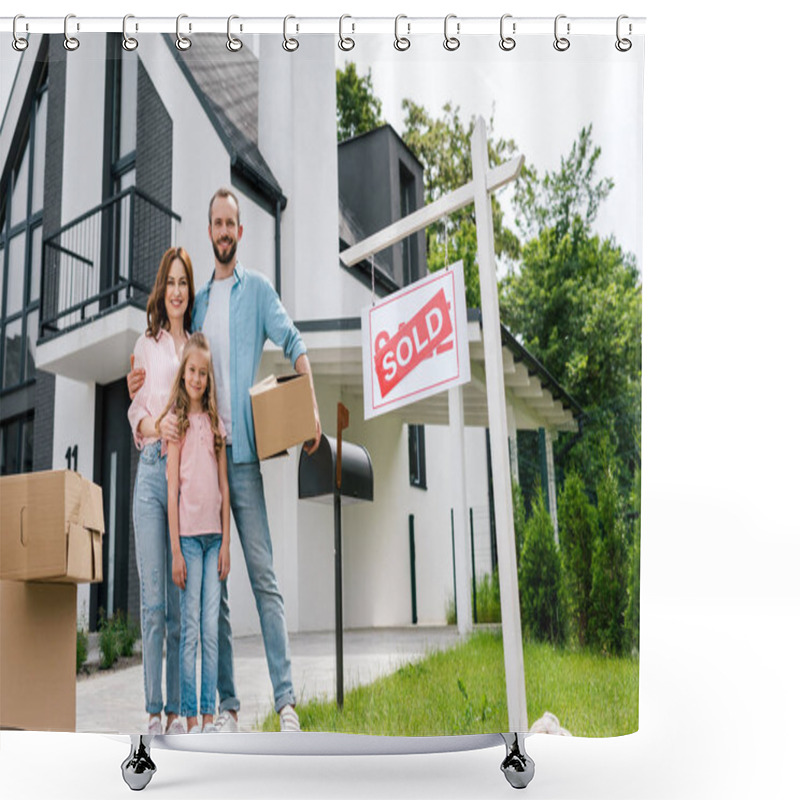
283,413
38,630
51,528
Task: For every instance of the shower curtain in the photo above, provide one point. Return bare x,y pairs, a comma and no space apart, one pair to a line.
491,581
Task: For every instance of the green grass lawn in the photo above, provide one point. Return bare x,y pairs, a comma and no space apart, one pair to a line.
462,691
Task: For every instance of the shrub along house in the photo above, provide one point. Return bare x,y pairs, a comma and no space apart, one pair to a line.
102,170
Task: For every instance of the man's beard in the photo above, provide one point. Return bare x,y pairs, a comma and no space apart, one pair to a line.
225,259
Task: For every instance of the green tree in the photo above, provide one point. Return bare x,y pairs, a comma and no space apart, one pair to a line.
442,145
574,298
577,532
358,110
634,564
540,594
609,594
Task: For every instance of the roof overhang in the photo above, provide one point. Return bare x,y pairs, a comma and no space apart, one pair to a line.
335,353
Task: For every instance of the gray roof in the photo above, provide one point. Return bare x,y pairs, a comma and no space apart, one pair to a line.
227,86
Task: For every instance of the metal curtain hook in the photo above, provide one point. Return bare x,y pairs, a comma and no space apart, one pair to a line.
346,42
181,41
233,44
19,44
70,42
128,42
289,44
451,42
401,42
561,43
507,42
623,45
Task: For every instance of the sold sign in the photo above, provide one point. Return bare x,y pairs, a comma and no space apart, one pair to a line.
414,342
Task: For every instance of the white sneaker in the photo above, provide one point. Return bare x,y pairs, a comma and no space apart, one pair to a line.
289,719
210,727
226,723
176,726
194,729
154,727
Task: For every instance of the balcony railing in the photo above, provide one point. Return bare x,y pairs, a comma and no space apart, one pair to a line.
104,259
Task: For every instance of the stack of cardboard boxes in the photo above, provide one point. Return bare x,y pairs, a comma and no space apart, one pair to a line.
51,539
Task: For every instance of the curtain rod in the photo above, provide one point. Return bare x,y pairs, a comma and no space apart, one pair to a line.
348,25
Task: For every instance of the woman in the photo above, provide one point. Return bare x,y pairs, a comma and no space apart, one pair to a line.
158,352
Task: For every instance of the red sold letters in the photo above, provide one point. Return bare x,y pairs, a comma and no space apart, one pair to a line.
414,341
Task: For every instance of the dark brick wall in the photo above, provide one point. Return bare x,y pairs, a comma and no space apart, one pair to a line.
152,228
53,172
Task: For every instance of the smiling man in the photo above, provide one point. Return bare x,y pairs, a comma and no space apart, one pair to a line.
239,310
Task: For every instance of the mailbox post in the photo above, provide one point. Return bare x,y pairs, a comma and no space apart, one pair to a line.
336,470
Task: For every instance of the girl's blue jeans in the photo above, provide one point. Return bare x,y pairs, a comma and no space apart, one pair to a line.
200,622
160,603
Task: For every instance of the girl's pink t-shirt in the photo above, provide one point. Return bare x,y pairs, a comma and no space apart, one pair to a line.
200,500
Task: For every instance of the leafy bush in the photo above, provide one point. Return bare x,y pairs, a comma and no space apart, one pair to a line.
450,611
577,531
82,649
487,598
127,634
117,637
109,642
540,578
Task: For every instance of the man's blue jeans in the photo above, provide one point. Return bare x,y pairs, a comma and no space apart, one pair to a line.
160,610
200,613
250,514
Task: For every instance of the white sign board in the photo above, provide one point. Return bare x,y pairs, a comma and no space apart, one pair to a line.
414,342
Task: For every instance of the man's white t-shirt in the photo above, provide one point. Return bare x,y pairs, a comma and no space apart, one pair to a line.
217,329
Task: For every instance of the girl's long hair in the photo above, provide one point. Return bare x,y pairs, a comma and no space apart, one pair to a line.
157,319
178,402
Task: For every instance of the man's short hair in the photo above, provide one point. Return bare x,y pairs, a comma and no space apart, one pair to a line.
224,192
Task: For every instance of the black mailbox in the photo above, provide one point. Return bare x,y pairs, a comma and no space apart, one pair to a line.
317,472
322,476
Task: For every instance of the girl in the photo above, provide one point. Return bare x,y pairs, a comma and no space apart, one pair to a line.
199,524
157,355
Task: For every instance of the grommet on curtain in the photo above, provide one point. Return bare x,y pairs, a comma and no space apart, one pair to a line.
507,42
181,41
233,44
70,42
18,43
623,45
289,43
451,43
401,42
561,43
128,42
346,43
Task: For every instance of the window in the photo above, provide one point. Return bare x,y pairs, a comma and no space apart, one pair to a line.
16,445
21,202
416,456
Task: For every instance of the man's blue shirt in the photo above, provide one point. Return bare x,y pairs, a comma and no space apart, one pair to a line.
256,314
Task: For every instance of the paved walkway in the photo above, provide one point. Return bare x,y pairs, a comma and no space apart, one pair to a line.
113,702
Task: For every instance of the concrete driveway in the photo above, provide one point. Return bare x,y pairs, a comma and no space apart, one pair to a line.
113,701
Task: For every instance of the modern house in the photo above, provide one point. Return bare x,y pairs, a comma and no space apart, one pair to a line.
108,157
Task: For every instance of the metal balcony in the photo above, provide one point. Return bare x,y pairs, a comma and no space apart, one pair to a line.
105,259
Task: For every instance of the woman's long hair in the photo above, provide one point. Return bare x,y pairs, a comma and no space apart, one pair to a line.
157,319
178,402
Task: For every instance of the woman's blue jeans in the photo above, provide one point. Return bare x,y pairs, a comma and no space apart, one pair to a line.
160,597
200,621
